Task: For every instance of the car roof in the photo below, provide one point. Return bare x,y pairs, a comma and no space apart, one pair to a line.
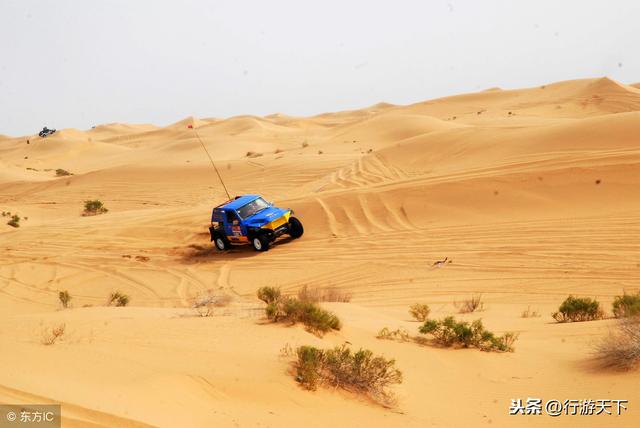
240,201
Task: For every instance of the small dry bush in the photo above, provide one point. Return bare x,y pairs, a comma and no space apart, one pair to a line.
62,172
287,351
49,337
419,311
94,207
118,299
576,309
621,349
627,305
327,294
360,371
305,144
470,305
206,302
65,298
451,333
528,313
400,334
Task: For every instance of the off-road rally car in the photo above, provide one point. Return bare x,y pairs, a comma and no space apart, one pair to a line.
46,132
251,219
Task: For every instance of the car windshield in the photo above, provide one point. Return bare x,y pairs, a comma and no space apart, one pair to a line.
252,208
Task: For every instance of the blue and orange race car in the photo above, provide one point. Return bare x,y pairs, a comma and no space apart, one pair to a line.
250,219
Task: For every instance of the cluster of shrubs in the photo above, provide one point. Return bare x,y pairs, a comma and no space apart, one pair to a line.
449,332
621,348
14,219
293,310
359,371
586,309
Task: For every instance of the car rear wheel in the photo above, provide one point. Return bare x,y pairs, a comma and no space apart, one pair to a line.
222,243
260,243
295,228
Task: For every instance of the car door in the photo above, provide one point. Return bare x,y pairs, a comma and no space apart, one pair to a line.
234,228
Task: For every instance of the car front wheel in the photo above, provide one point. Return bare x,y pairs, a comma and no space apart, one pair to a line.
221,243
295,228
260,243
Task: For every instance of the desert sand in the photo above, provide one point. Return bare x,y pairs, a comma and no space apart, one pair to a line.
532,193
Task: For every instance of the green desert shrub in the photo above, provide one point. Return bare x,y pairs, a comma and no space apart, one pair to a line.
449,332
578,309
627,305
359,371
316,319
15,221
309,366
269,294
65,298
289,309
94,207
419,311
621,348
118,299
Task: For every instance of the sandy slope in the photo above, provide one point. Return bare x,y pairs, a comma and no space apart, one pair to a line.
532,193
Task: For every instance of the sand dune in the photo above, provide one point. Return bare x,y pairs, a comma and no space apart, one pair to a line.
531,192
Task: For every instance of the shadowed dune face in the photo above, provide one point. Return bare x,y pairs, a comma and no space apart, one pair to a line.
531,193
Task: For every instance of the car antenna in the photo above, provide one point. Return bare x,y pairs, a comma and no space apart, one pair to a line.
190,126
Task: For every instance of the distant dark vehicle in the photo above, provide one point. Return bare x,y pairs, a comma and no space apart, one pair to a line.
46,132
